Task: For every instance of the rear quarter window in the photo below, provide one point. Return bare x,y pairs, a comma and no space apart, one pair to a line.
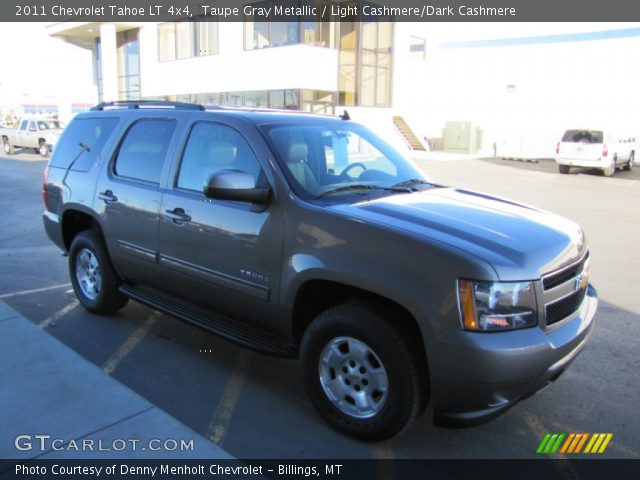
82,142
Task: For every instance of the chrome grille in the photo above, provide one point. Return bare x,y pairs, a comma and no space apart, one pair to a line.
564,307
564,290
556,278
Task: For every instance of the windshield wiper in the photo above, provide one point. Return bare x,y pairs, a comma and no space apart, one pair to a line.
414,182
358,186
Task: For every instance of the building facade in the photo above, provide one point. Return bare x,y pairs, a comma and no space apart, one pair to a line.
321,67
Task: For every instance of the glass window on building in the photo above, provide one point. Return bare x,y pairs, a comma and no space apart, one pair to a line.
365,63
256,99
128,56
259,34
417,48
318,101
320,34
179,40
289,99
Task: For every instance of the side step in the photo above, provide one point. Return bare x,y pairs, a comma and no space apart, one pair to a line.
247,335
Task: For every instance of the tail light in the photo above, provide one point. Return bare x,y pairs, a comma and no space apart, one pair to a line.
557,148
605,150
45,193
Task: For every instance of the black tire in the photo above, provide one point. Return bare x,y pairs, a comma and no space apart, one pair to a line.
407,393
629,166
42,149
564,169
106,298
7,147
610,171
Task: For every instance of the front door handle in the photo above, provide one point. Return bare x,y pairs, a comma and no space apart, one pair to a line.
177,215
107,197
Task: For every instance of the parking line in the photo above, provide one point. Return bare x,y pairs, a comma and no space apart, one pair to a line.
565,468
58,315
222,416
35,290
130,343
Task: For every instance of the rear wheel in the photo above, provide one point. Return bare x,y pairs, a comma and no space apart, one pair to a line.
43,149
92,276
611,169
361,373
564,168
629,166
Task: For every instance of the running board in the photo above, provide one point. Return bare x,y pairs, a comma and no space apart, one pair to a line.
238,332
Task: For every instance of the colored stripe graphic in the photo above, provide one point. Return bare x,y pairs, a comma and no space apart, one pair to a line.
574,442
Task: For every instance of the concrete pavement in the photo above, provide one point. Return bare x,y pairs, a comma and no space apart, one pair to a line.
50,390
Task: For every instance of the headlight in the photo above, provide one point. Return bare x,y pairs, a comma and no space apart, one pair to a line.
493,306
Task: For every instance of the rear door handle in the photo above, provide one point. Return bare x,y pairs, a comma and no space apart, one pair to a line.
107,197
177,215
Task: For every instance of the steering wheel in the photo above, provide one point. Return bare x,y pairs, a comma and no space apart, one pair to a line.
344,173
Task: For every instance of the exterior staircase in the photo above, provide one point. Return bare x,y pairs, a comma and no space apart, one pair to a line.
412,140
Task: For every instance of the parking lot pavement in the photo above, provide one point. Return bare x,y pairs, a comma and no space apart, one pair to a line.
548,165
53,391
254,406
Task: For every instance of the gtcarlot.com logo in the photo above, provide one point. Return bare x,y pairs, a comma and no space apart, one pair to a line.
574,443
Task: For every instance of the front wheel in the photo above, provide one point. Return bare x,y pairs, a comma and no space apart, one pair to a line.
564,169
43,149
361,373
92,276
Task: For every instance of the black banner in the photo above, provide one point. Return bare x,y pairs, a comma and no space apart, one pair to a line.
53,11
291,469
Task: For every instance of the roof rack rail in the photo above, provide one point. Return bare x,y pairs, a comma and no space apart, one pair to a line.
136,104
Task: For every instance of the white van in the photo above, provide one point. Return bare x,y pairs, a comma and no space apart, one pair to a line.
595,149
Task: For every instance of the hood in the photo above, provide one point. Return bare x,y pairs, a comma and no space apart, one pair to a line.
520,242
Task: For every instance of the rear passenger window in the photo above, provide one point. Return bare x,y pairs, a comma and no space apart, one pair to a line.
82,142
144,149
213,147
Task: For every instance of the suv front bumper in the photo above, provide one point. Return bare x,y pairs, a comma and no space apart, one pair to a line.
487,373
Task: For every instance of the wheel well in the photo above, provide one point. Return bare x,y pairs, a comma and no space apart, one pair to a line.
5,138
41,141
318,295
74,222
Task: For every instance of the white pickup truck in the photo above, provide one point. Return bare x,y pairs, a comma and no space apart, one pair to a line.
596,148
40,134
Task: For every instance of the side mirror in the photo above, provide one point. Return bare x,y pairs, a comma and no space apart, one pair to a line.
236,185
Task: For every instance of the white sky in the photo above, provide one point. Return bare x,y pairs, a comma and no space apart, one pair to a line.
39,68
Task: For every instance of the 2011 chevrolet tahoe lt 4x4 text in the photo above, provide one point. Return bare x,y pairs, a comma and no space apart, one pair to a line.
305,235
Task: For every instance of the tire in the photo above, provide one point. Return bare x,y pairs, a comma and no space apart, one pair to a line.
351,352
43,150
92,276
564,169
629,166
7,147
610,171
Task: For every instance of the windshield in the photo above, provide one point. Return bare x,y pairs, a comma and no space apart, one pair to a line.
340,158
48,124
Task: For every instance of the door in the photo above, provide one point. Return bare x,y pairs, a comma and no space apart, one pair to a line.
221,255
23,133
128,198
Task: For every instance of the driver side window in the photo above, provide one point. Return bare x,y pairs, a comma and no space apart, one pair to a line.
211,148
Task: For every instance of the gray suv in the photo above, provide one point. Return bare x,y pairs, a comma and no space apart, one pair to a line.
308,236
